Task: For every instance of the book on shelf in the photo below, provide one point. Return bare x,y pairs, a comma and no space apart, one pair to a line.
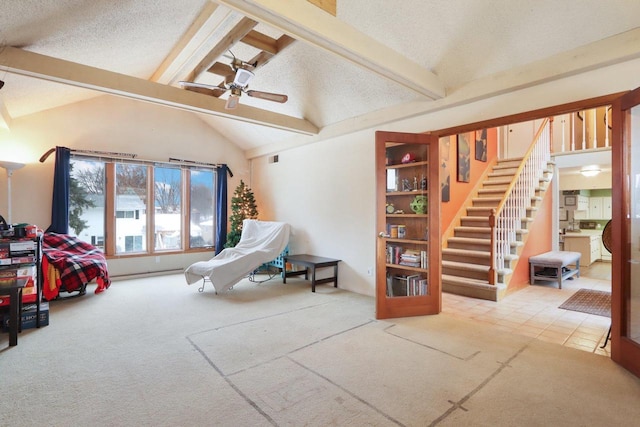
417,285
409,285
410,258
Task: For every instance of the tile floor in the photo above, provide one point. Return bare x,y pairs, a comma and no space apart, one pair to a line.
534,311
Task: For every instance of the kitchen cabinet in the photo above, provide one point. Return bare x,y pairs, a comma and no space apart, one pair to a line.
598,208
587,244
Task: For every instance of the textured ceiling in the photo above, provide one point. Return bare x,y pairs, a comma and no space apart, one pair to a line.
460,41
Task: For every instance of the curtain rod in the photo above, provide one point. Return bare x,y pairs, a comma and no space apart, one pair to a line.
96,153
193,162
133,156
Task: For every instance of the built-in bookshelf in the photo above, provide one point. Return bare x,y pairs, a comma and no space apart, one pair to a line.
408,276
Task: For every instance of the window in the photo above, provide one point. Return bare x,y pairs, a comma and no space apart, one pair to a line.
148,204
87,201
168,208
202,218
131,196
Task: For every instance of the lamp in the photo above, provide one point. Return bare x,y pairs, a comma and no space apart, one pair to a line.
10,167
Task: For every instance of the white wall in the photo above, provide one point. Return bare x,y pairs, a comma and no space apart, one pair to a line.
326,192
114,124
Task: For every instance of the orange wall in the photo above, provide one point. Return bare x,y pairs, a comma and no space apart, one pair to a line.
540,241
460,190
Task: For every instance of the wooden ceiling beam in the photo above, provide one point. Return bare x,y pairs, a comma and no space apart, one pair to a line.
31,64
326,5
261,41
305,22
234,36
193,45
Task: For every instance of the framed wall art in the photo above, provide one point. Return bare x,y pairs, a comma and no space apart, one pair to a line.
445,174
481,145
464,157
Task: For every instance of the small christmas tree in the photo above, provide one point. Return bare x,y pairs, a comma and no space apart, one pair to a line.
243,206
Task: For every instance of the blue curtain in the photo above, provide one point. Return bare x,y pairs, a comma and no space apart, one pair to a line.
221,206
60,205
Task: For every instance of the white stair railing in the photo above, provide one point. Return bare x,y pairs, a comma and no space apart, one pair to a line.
507,218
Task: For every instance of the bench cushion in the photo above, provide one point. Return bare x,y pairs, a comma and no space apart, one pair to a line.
555,259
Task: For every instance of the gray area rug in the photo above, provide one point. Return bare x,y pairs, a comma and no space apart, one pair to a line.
589,301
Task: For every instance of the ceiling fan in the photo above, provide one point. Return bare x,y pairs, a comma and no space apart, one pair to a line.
237,83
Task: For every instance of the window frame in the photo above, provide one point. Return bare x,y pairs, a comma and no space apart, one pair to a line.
109,236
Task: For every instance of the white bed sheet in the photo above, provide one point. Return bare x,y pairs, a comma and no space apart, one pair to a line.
261,242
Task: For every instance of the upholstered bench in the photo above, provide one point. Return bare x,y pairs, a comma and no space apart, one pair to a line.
554,266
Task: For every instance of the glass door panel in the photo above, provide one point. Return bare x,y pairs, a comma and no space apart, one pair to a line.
632,303
625,225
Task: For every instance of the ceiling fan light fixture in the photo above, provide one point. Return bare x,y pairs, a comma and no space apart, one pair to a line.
234,98
590,171
242,77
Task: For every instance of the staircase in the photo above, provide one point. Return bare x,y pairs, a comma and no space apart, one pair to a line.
482,253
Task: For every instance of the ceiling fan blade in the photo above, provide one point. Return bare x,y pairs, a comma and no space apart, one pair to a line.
221,69
232,102
275,97
203,88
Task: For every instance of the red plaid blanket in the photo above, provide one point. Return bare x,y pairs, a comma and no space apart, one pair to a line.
78,262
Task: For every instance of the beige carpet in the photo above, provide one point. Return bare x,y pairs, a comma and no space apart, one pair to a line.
156,352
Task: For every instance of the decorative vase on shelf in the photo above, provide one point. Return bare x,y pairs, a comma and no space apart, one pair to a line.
419,204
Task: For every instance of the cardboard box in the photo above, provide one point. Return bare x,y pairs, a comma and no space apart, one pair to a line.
9,277
28,316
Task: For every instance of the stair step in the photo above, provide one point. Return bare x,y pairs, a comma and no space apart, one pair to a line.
501,173
468,231
466,270
498,189
516,160
496,181
466,266
474,221
486,201
472,288
469,243
479,211
481,232
465,255
504,166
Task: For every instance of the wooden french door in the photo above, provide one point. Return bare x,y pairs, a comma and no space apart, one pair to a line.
408,281
625,279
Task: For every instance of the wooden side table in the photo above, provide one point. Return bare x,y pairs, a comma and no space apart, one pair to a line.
15,308
311,262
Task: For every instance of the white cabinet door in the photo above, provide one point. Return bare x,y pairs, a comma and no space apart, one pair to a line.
596,253
606,208
583,203
595,208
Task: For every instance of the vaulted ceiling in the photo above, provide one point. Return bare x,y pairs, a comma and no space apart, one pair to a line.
343,66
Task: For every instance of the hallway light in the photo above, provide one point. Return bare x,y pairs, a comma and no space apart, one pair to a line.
590,171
